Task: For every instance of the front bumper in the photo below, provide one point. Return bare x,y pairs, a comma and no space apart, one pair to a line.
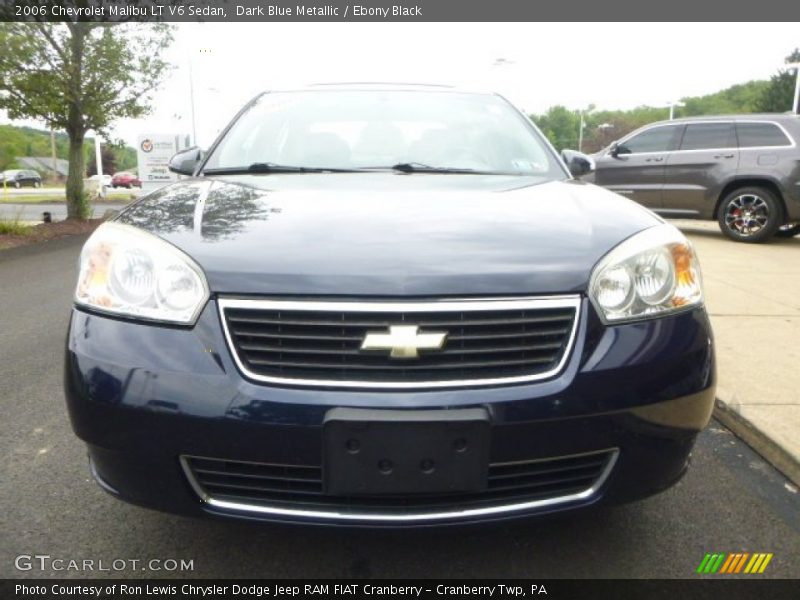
144,397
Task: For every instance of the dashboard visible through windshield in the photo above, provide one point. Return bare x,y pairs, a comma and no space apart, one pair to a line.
411,131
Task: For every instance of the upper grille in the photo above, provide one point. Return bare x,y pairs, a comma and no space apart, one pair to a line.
488,341
263,487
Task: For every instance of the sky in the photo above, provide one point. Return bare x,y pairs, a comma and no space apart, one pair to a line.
613,66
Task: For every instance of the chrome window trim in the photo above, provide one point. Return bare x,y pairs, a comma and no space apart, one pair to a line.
419,517
410,306
792,143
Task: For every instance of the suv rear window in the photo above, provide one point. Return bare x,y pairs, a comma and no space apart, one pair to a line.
707,136
753,135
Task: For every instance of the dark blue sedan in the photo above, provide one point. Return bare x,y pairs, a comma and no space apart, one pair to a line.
386,306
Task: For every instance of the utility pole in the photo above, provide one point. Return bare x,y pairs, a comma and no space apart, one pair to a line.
53,153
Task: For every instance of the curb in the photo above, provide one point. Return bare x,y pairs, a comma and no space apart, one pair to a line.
759,441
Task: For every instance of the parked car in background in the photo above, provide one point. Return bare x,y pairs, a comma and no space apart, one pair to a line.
21,177
126,180
387,306
743,171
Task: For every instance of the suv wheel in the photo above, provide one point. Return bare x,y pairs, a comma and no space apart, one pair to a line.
37,184
750,214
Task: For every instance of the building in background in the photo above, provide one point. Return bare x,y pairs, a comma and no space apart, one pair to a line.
44,166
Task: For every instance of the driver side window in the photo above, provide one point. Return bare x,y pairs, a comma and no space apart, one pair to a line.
657,139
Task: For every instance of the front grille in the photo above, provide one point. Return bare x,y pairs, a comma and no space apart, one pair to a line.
261,487
487,341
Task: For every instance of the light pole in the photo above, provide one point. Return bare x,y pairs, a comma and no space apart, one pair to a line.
796,102
191,103
672,105
583,113
98,157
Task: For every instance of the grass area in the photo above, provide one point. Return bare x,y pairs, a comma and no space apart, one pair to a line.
37,199
14,227
112,197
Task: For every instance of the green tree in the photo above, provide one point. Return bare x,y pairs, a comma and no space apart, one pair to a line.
778,96
560,125
79,76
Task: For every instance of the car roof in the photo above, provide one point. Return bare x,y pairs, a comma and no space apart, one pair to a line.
779,117
383,86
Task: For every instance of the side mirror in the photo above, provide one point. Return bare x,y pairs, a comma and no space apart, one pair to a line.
186,161
578,163
613,149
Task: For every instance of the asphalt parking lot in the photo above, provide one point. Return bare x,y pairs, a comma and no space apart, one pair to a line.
730,501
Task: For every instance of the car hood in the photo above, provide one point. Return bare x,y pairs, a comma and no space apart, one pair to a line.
386,234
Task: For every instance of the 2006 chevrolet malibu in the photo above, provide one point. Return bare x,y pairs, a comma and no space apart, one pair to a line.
387,306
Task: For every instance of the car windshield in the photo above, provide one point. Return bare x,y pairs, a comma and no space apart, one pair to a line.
410,131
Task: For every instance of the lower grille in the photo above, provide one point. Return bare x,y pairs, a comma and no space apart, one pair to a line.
297,490
320,342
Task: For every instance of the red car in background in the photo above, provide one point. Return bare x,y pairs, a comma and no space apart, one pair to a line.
126,180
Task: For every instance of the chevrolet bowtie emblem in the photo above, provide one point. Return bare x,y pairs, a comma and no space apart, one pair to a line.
404,341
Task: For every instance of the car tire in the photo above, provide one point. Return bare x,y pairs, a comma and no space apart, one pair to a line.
16,184
788,231
750,214
37,184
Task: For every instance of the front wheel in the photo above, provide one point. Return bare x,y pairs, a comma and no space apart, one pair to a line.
16,184
750,214
37,184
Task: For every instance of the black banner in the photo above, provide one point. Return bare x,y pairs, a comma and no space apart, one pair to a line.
633,589
395,10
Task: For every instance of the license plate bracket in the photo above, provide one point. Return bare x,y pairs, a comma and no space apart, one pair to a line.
401,452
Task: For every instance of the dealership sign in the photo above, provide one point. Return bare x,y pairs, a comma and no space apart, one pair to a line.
153,153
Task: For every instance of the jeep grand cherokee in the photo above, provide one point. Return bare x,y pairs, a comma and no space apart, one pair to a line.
742,171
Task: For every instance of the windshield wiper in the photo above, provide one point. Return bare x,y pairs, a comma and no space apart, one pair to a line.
416,167
268,167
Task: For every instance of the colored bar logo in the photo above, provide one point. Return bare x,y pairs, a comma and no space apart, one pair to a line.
738,562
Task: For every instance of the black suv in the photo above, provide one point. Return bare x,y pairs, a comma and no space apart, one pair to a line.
743,171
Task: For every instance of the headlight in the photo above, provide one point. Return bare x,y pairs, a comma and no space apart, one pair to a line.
126,271
653,273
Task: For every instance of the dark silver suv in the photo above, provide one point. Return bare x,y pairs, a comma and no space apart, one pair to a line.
743,171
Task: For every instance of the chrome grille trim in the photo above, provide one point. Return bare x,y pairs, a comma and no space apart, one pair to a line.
465,305
343,516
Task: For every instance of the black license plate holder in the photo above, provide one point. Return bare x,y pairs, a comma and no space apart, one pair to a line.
386,452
